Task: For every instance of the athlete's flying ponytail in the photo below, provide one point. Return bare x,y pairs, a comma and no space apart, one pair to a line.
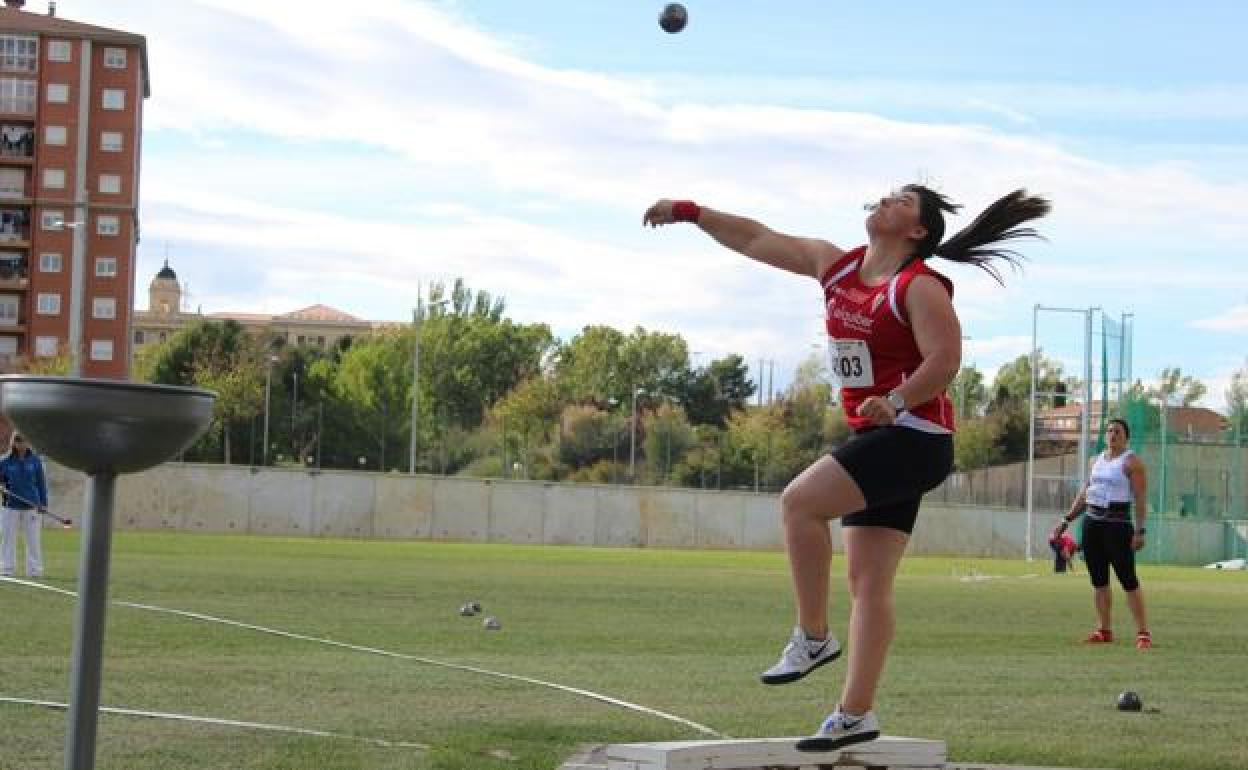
974,244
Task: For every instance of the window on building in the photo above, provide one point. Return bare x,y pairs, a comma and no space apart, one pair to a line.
58,93
107,224
52,220
110,141
49,304
51,262
106,267
113,99
104,307
54,135
115,58
320,342
54,178
46,347
60,50
9,305
164,336
138,336
8,346
18,95
12,182
101,350
110,183
18,53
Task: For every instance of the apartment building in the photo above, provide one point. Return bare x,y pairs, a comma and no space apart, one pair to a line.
71,116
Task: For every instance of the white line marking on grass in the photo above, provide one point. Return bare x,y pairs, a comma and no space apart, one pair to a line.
400,655
220,722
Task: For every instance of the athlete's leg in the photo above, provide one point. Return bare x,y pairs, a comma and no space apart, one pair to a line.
822,492
1096,557
873,554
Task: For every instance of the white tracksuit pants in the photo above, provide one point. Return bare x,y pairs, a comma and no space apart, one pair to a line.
31,523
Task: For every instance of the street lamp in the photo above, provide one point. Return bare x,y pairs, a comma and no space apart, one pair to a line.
632,438
417,317
615,437
77,280
294,411
268,388
1164,407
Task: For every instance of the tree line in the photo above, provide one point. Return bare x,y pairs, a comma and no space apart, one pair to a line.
497,398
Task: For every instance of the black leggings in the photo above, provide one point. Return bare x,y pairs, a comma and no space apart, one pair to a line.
1106,544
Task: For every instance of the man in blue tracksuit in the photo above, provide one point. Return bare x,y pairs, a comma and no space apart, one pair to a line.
25,494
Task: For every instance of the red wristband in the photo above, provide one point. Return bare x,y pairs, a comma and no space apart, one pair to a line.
686,211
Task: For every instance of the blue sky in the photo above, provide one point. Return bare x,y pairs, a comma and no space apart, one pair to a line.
313,151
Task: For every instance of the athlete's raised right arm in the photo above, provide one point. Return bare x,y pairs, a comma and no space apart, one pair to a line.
804,256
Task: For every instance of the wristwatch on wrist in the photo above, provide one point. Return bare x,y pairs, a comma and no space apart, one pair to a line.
895,400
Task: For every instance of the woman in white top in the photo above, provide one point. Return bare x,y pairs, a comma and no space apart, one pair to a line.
1110,537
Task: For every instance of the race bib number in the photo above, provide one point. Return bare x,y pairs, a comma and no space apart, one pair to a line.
851,363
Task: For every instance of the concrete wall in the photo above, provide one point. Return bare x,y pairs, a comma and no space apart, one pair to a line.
223,499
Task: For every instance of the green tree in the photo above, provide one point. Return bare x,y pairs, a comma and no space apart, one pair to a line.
968,393
805,409
471,356
588,367
56,366
526,420
220,356
375,378
760,451
710,394
175,361
586,434
1009,407
238,381
1173,387
667,436
656,361
975,444
1237,403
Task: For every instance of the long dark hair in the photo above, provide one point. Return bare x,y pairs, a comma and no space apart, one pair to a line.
975,244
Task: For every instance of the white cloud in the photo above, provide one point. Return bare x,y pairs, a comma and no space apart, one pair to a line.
1233,320
344,162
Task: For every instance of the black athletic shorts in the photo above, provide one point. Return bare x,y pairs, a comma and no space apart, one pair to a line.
1107,543
894,467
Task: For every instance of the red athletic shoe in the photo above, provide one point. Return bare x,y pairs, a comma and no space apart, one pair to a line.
1143,641
1100,636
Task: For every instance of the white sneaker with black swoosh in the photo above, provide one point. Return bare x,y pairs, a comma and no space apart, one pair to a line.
840,730
800,657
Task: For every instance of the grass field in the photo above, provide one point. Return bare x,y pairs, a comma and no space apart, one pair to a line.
992,666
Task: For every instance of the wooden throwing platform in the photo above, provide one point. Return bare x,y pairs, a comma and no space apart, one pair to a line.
887,752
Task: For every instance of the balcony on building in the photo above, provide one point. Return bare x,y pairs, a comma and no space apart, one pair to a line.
14,228
14,271
17,144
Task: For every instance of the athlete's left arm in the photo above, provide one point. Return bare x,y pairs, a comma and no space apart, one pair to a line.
1138,475
939,337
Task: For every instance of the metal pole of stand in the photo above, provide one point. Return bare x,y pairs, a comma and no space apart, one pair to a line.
89,629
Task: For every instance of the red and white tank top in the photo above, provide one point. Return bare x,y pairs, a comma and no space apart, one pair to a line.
870,344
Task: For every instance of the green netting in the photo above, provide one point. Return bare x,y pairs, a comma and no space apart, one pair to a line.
1197,485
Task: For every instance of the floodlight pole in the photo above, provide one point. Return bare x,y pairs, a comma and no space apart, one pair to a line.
1031,435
